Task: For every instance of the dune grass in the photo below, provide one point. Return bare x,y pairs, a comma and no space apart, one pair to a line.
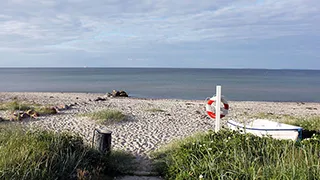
106,116
47,155
311,123
24,106
231,155
16,105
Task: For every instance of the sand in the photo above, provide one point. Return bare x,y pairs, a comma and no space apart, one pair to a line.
146,129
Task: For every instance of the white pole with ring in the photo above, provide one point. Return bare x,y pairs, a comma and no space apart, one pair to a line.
218,105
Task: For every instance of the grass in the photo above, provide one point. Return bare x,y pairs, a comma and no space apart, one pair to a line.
155,110
16,105
311,123
231,155
46,155
24,106
106,116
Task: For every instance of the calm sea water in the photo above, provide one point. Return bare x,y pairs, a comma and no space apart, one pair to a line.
237,84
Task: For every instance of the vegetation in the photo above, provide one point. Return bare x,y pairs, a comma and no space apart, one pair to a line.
24,106
16,105
311,123
231,155
308,123
46,155
107,116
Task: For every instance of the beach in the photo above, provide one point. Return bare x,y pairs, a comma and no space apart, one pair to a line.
151,123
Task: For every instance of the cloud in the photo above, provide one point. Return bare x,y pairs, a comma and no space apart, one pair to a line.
108,26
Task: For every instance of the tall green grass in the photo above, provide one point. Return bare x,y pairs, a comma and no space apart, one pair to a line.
47,155
231,155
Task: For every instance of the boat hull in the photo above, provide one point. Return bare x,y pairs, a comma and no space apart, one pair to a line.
262,128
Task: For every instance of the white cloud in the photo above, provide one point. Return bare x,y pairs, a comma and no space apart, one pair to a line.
119,26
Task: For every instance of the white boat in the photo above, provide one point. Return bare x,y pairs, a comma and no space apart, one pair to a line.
263,127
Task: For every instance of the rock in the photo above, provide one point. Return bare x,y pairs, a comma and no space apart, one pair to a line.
1,119
100,99
63,107
53,110
24,115
123,94
17,113
35,115
116,93
30,112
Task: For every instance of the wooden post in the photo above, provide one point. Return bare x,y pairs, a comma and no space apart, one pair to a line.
218,105
102,140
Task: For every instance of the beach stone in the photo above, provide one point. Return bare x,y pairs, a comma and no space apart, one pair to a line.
123,94
63,107
116,93
100,99
1,119
54,110
24,115
30,112
34,115
109,94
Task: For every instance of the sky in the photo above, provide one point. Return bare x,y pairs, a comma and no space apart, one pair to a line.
273,34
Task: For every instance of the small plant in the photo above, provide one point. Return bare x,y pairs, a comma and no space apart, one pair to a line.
107,116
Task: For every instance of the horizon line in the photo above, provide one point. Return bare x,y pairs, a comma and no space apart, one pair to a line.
117,67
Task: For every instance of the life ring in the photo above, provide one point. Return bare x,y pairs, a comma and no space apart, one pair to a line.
211,111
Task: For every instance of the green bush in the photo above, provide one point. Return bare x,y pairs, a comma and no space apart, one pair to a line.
231,155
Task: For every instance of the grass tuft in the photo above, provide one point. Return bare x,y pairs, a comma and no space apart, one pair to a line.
23,106
106,116
231,155
15,105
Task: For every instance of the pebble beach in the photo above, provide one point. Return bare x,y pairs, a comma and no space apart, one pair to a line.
151,123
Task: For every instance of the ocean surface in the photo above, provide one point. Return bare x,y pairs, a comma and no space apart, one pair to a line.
237,84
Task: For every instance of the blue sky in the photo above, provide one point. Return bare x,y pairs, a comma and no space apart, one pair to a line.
160,33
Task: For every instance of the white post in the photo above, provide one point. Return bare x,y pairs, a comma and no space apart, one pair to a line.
218,105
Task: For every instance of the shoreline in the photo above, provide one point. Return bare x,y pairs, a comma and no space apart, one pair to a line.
146,98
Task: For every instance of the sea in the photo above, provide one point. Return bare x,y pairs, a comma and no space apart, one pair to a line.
169,83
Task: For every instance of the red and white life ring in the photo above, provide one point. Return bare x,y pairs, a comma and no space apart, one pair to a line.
210,107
